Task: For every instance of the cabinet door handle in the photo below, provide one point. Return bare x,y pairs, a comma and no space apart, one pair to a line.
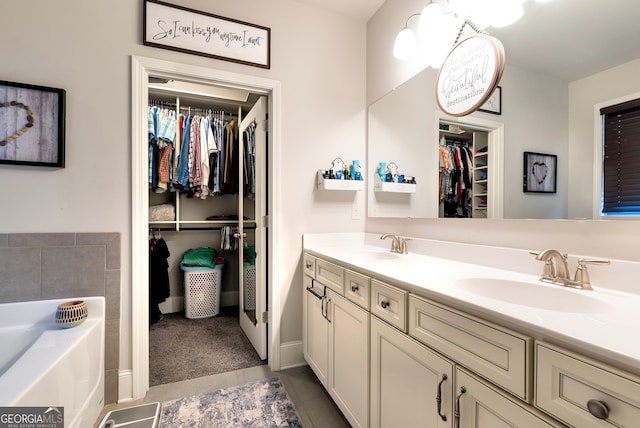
327,310
384,304
456,412
598,408
323,307
439,398
315,293
354,288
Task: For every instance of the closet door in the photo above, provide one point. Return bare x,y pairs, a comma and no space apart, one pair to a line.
253,205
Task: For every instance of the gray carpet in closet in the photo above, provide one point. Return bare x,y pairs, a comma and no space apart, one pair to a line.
181,348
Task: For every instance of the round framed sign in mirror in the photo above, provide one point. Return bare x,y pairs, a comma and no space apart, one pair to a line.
469,74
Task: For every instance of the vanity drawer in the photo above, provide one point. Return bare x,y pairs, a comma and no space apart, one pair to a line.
389,304
330,275
565,383
357,289
309,265
500,355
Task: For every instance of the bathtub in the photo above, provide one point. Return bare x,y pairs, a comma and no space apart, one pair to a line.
42,364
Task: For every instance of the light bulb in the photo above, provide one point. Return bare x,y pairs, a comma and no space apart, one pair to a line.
405,45
505,12
430,20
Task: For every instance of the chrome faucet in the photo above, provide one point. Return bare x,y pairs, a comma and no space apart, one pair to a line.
556,269
395,242
398,244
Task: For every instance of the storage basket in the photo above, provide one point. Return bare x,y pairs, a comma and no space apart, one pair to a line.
202,291
249,287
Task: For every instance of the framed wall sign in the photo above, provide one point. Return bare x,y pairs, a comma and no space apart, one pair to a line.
186,30
469,74
494,102
31,125
539,175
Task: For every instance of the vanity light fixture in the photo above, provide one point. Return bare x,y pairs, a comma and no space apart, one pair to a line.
441,21
406,45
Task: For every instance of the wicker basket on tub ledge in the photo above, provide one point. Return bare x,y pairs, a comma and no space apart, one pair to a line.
71,314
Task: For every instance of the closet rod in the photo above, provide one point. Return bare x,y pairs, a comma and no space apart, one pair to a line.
183,229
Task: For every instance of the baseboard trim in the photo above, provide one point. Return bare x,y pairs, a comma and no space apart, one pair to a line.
291,355
125,386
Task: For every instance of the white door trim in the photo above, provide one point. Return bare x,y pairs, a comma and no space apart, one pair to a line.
141,68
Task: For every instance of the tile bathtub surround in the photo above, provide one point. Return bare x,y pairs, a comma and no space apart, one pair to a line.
43,266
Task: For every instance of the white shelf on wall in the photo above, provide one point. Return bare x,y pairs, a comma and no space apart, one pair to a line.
383,186
329,184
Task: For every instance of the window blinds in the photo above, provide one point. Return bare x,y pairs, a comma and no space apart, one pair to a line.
621,165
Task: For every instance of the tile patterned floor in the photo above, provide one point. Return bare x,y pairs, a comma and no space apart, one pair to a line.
315,407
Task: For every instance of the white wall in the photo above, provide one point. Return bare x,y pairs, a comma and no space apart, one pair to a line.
85,48
584,94
598,238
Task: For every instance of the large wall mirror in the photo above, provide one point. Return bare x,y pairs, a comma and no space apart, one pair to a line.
405,127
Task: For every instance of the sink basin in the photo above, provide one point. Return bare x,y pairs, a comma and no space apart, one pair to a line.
534,294
374,256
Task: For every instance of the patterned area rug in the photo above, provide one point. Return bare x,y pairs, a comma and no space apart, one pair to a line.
264,403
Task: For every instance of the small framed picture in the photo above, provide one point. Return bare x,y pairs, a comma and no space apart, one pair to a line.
31,125
539,175
493,103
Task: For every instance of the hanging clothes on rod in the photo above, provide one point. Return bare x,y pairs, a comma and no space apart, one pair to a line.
196,151
162,132
249,140
159,287
457,184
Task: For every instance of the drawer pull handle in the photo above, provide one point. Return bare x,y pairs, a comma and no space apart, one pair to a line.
439,398
354,288
456,412
384,304
599,409
309,265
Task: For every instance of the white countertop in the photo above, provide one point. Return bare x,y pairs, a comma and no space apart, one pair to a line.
601,323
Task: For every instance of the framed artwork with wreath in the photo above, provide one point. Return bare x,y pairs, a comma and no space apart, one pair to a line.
31,125
540,171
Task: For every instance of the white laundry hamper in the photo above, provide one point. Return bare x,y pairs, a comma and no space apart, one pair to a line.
202,291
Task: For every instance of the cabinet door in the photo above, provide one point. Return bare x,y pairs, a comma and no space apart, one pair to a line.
405,381
483,406
348,382
315,334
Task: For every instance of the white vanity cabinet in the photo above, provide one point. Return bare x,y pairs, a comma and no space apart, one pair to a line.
392,358
315,332
336,339
583,392
348,382
406,378
499,354
480,405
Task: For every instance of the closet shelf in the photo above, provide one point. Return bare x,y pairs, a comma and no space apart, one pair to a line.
329,184
383,186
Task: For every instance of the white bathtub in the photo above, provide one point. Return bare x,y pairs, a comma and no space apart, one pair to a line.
42,364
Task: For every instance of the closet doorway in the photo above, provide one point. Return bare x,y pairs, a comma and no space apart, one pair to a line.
479,193
235,223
